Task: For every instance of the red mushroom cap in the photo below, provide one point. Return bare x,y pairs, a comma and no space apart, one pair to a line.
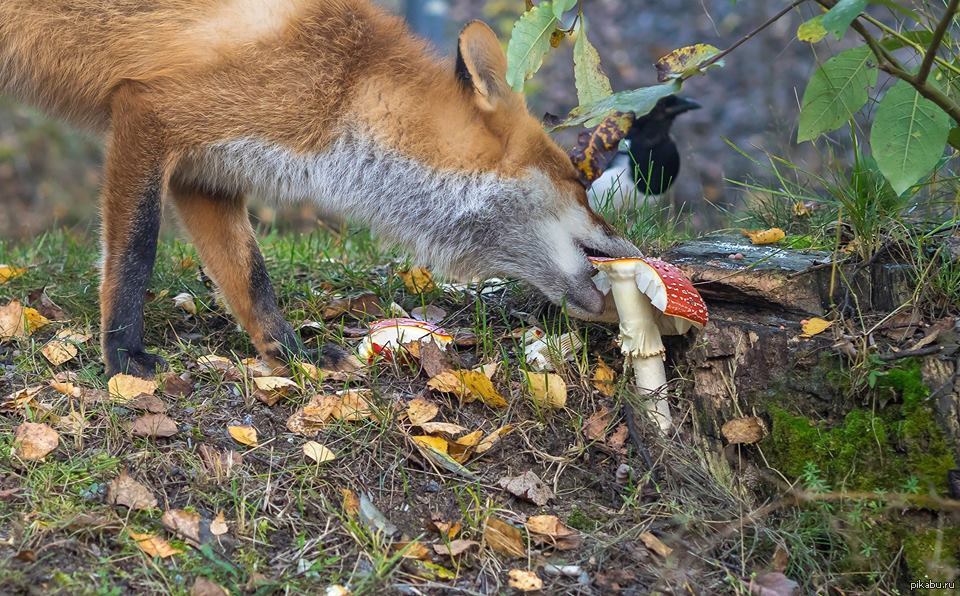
678,297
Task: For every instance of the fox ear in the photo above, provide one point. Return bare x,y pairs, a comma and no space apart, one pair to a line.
482,65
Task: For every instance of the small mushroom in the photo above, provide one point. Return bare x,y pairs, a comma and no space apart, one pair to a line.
388,335
653,298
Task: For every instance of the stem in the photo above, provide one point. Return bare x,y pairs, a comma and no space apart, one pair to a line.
936,40
650,376
906,41
750,35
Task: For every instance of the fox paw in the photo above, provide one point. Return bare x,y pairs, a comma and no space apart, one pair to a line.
139,364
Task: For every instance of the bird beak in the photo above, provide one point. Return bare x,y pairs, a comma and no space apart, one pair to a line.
682,104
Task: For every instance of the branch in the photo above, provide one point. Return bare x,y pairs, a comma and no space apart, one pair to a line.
936,40
750,35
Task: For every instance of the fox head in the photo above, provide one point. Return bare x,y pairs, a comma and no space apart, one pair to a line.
544,229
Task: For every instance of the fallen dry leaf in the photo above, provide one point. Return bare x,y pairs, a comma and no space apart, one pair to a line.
490,440
468,385
448,530
618,438
18,321
66,388
772,584
433,358
63,347
437,443
418,280
655,544
270,390
603,379
127,387
595,427
420,410
243,434
760,237
547,390
428,313
318,452
527,486
359,306
73,423
204,587
446,428
814,326
33,442
124,490
549,530
214,363
219,465
8,272
153,425
147,403
184,523
455,547
19,399
350,502
744,431
154,545
412,550
504,538
218,527
524,580
174,385
257,368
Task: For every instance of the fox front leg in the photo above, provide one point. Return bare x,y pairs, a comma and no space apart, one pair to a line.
220,228
131,205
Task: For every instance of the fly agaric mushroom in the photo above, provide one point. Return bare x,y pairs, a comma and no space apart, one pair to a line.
391,334
653,298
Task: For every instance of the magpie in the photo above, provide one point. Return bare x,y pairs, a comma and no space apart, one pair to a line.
648,161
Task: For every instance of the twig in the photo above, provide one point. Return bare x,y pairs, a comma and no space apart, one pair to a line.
910,353
936,40
750,35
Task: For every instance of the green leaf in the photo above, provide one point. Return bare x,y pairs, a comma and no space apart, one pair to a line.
637,101
529,43
900,7
917,37
592,83
838,19
812,31
836,91
954,138
908,136
686,62
562,6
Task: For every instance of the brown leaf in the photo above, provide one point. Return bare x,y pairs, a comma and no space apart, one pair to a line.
218,527
147,403
184,523
549,530
204,587
412,550
124,490
446,428
33,442
45,306
455,547
175,385
524,580
595,428
350,502
772,584
359,306
468,385
433,359
744,431
490,440
18,400
654,544
597,147
420,410
504,538
63,347
154,546
270,390
448,530
153,425
428,313
618,438
685,62
528,486
18,321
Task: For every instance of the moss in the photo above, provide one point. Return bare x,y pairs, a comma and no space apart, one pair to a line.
869,450
579,520
933,554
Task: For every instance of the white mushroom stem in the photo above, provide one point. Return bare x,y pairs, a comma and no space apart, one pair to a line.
640,342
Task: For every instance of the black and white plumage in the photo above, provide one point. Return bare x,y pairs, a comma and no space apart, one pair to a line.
650,162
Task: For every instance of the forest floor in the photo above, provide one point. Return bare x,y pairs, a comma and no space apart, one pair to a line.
164,490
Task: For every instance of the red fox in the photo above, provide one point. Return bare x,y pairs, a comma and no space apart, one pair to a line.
333,101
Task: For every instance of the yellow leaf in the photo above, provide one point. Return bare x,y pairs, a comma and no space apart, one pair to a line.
471,440
8,272
126,387
350,501
524,580
63,347
418,280
504,538
812,31
547,390
318,452
468,385
437,443
154,545
771,236
412,550
814,326
66,388
686,62
490,440
270,390
245,435
18,321
603,377
420,410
